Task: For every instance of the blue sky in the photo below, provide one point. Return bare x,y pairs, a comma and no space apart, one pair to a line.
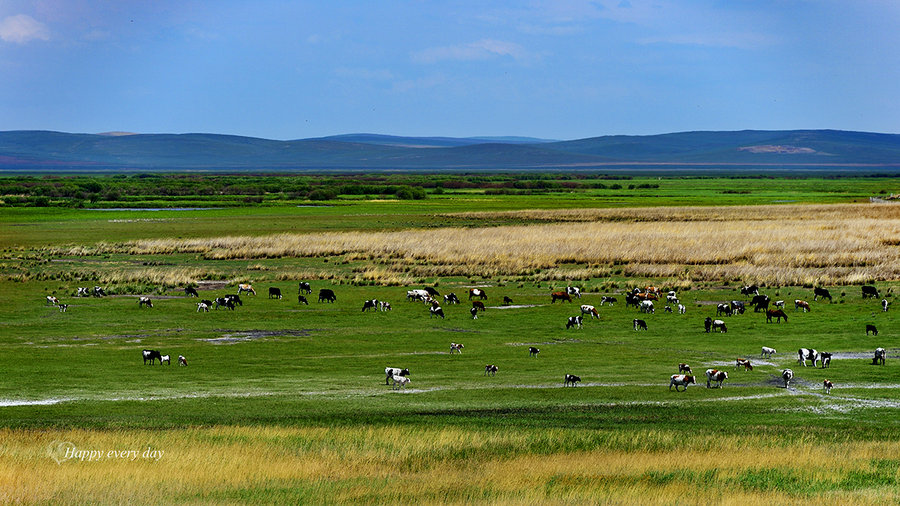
555,69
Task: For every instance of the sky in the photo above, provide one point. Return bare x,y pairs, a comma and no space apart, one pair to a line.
554,69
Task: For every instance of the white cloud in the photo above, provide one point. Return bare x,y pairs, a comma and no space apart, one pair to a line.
483,49
22,28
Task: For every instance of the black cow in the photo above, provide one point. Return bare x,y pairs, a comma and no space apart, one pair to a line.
370,304
236,299
760,303
305,288
639,324
571,378
708,324
872,329
152,355
431,291
477,304
327,294
869,291
507,301
750,290
821,292
737,307
302,300
190,291
274,292
532,351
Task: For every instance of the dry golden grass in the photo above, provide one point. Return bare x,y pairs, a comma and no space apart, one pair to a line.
442,465
819,244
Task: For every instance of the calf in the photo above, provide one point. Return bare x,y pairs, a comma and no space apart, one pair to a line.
571,378
684,368
274,292
821,292
767,352
681,309
801,304
667,309
166,359
532,351
399,382
390,372
151,355
385,306
828,386
457,347
490,369
63,308
743,362
872,329
879,356
826,359
779,304
182,360
302,300
681,380
574,321
436,311
202,306
507,301
787,375
716,376
639,324
590,310
804,354
190,291
145,301
720,326
474,312
51,300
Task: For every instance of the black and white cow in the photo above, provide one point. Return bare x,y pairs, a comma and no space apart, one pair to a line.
870,291
370,304
327,294
457,347
737,306
224,301
571,379
235,298
639,324
83,292
202,306
436,311
681,380
145,301
707,323
672,298
152,355
99,292
417,294
474,313
302,300
750,290
647,307
821,292
804,354
787,375
390,372
274,292
574,321
884,305
715,375
611,300
723,309
451,298
574,291
880,355
719,325
490,369
304,288
532,351
767,352
190,291
826,359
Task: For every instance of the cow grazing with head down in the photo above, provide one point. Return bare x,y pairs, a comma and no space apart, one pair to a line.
672,298
304,288
478,305
451,298
767,352
63,308
821,292
804,354
246,287
53,301
717,376
507,301
574,321
474,313
760,303
720,326
370,304
302,300
872,329
639,324
491,369
152,355
182,360
611,300
190,291
436,311
801,304
707,323
776,313
590,310
390,372
681,380
647,307
327,295
145,301
828,385
432,291
274,292
723,309
743,362
737,306
99,292
571,379
477,292
880,355
202,306
684,368
532,351
870,291
787,375
681,309
563,296
82,292
750,290
385,306
399,382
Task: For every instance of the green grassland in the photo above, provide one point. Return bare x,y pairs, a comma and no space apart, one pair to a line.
293,398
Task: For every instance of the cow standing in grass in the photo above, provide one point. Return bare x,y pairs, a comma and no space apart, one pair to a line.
571,379
787,375
477,292
274,292
681,380
717,376
304,288
190,291
821,292
327,294
246,287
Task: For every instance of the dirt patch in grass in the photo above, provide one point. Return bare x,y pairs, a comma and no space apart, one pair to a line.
241,336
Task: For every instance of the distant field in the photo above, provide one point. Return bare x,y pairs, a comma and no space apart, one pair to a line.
284,402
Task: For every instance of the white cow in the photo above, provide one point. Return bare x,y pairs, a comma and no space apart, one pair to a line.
787,375
681,309
246,287
884,304
202,306
779,303
590,310
647,306
412,295
804,354
574,291
166,359
399,382
681,380
767,352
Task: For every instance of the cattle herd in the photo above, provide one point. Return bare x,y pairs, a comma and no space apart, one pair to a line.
643,300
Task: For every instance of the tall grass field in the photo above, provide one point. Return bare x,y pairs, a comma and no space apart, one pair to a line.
286,402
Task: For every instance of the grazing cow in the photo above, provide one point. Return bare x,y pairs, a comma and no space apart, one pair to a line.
743,362
477,292
787,375
671,298
828,386
208,302
182,360
490,369
767,352
477,304
63,308
590,310
801,304
151,355
631,300
681,309
737,307
412,295
390,372
821,292
274,292
327,294
639,324
457,347
99,292
83,292
750,290
451,298
717,376
302,300
779,304
646,296
166,359
720,326
370,304
879,356
884,305
235,298
385,306
51,300
723,309
507,301
667,309
145,301
304,288
246,287
202,306
474,313
870,291
647,307
571,378
563,296
708,324
826,359
436,311
804,354
190,291
574,291
684,368
532,351
776,313
574,321
224,301
760,303
681,380
872,329
431,291
399,382
612,300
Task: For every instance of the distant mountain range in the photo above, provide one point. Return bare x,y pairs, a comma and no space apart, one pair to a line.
759,151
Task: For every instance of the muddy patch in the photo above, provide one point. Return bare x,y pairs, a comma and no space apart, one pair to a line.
242,336
519,306
211,285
